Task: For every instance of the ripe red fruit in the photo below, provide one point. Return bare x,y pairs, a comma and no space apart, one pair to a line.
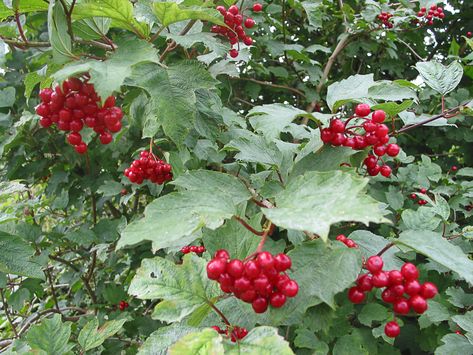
412,287
265,260
423,190
401,306
454,168
105,138
326,135
378,116
392,150
379,150
248,296
252,269
337,126
221,254
45,122
185,250
233,53
370,161
392,329
362,110
290,288
74,138
248,41
221,9
395,277
81,148
261,283
469,34
397,289
381,131
260,305
235,268
233,9
385,170
409,271
380,279
428,290
277,300
342,238
389,296
369,126
249,22
364,282
418,304
242,284
374,264
257,7
215,268
282,262
355,295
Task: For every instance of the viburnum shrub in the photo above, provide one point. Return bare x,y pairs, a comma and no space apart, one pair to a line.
275,177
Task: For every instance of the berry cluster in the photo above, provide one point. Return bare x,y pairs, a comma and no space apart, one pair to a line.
396,284
347,241
148,166
375,135
192,249
260,281
77,104
429,16
385,17
123,305
420,202
237,333
235,32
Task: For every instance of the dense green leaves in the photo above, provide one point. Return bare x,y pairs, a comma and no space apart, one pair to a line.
51,336
315,200
171,12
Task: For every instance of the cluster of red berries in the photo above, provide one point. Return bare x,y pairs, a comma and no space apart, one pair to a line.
237,333
396,284
235,32
77,104
148,166
123,305
420,202
385,17
429,16
192,249
375,134
260,281
347,241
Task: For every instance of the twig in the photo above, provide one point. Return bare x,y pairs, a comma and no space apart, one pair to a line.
267,83
68,18
173,44
382,251
340,3
20,28
115,212
267,231
247,226
219,312
47,272
7,313
411,49
156,35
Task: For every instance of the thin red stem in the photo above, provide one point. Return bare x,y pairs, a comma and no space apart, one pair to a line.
247,226
219,312
20,28
387,247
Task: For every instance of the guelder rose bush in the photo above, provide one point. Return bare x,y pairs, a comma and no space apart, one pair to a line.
236,177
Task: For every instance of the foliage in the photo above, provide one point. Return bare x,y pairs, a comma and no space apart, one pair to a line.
91,263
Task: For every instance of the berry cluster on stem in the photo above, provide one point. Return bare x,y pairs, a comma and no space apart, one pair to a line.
236,22
123,305
149,167
75,106
420,202
428,17
347,241
235,333
193,249
401,289
385,18
261,280
371,133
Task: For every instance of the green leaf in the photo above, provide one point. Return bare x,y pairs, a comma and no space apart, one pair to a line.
354,87
181,288
389,91
182,214
332,270
271,120
256,149
260,341
159,341
465,321
373,312
120,11
314,15
50,336
458,297
24,7
172,94
92,28
437,248
7,97
307,339
16,257
171,12
108,76
393,108
314,201
454,344
59,37
207,341
91,336
441,78
110,188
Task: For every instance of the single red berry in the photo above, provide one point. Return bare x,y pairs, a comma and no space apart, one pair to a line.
385,170
351,243
454,168
233,9
290,288
215,268
260,305
413,196
74,138
389,296
81,148
364,282
221,254
378,116
392,329
337,126
242,284
458,332
395,277
379,150
362,110
249,22
185,250
341,238
277,300
380,279
371,161
248,41
235,268
392,150
261,283
428,290
423,190
105,138
418,304
233,53
381,131
355,295
282,262
265,260
409,271
401,306
397,289
252,270
326,135
257,7
469,34
412,287
248,296
374,264
369,126
221,9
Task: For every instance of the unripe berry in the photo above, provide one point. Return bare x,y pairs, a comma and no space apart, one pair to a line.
392,329
362,110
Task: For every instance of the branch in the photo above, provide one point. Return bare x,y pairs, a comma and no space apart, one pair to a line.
382,251
23,45
51,284
267,83
20,28
7,314
115,212
247,226
411,49
173,44
219,312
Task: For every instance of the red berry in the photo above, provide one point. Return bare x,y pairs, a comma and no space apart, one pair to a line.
428,290
265,260
45,122
81,148
401,306
74,138
221,9
418,304
395,277
248,296
392,329
454,168
364,282
337,126
369,126
355,295
249,22
277,300
389,296
282,262
260,305
397,289
257,7
242,284
290,288
105,138
378,116
233,9
469,34
252,269
381,131
222,254
248,41
374,264
385,170
380,279
413,196
409,271
326,135
185,250
412,287
260,284
351,243
370,161
215,268
392,150
379,150
233,53
362,110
